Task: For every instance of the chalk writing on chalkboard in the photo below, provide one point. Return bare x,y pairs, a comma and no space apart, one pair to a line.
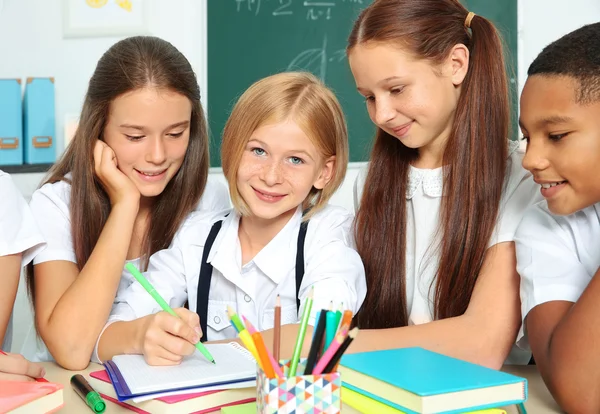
315,60
315,10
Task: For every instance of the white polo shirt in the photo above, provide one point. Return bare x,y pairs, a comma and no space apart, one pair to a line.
557,256
332,266
51,208
18,232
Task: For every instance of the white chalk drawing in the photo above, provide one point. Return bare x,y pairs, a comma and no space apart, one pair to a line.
315,60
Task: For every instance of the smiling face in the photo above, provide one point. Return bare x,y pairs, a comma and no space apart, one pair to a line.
563,150
149,130
409,98
279,167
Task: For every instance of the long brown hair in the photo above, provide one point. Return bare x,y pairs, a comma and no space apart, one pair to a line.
474,161
131,64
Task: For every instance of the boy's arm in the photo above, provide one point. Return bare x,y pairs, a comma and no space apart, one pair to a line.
564,338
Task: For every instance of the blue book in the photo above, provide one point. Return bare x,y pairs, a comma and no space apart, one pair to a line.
415,380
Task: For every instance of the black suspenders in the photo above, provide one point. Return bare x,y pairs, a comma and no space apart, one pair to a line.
206,270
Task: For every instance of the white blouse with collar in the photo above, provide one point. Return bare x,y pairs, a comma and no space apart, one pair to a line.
424,195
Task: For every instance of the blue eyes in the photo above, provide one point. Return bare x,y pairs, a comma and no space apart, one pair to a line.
261,152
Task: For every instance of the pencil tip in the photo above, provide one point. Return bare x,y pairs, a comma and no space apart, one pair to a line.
214,362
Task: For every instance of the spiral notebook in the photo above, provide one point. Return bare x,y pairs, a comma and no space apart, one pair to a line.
132,377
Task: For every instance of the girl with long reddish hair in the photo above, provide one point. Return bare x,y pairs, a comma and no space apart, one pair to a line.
445,189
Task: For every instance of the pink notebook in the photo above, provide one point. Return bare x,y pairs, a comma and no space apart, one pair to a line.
209,400
30,397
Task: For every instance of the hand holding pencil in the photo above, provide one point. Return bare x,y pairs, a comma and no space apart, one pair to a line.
169,347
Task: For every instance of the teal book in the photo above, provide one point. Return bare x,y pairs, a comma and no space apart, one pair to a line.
415,380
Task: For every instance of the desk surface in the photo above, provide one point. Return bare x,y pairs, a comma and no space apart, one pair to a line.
540,400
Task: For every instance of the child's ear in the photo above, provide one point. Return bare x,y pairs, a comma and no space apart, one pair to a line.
458,63
326,173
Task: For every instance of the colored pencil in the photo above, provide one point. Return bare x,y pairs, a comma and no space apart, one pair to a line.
335,359
262,353
346,318
330,330
249,325
335,344
235,319
277,327
301,333
317,340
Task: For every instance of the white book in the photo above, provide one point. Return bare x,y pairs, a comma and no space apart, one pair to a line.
132,377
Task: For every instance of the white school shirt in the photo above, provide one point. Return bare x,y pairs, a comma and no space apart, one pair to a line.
332,267
51,208
423,200
557,257
18,233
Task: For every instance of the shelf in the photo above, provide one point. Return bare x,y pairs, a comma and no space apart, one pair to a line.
26,169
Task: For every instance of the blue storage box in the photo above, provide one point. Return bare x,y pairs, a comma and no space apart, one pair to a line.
11,122
39,128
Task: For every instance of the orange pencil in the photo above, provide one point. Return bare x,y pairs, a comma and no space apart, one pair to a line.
276,367
264,357
277,326
346,319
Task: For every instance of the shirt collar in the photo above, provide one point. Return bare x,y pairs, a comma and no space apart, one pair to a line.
433,180
275,260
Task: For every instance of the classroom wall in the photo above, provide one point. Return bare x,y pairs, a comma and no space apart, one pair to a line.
32,45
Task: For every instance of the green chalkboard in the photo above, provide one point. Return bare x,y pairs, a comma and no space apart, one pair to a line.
251,39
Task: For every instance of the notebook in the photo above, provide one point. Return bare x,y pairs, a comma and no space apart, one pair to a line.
195,402
132,377
416,380
368,405
30,397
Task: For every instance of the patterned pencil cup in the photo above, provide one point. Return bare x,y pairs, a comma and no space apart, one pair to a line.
314,394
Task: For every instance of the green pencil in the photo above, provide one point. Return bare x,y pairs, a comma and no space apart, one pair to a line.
301,333
163,304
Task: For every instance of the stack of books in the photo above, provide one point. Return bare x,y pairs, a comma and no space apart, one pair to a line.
415,380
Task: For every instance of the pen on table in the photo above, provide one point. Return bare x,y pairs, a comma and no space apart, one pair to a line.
163,304
87,393
277,332
40,379
301,333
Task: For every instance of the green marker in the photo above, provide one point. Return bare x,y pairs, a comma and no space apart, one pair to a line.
163,304
87,393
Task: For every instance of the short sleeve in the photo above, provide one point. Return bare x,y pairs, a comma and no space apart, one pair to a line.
50,208
18,230
548,262
215,196
333,266
359,184
520,192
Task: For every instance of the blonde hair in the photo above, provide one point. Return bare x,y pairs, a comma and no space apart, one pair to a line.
296,96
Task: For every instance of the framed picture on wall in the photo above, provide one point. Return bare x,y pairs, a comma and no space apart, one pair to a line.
96,18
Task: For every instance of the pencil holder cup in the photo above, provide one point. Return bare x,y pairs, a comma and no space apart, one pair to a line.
313,394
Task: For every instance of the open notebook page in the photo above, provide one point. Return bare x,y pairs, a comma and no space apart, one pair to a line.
233,363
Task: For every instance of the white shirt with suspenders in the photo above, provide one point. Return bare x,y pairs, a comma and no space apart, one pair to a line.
328,258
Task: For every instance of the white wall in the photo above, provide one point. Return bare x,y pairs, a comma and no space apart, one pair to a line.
31,44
